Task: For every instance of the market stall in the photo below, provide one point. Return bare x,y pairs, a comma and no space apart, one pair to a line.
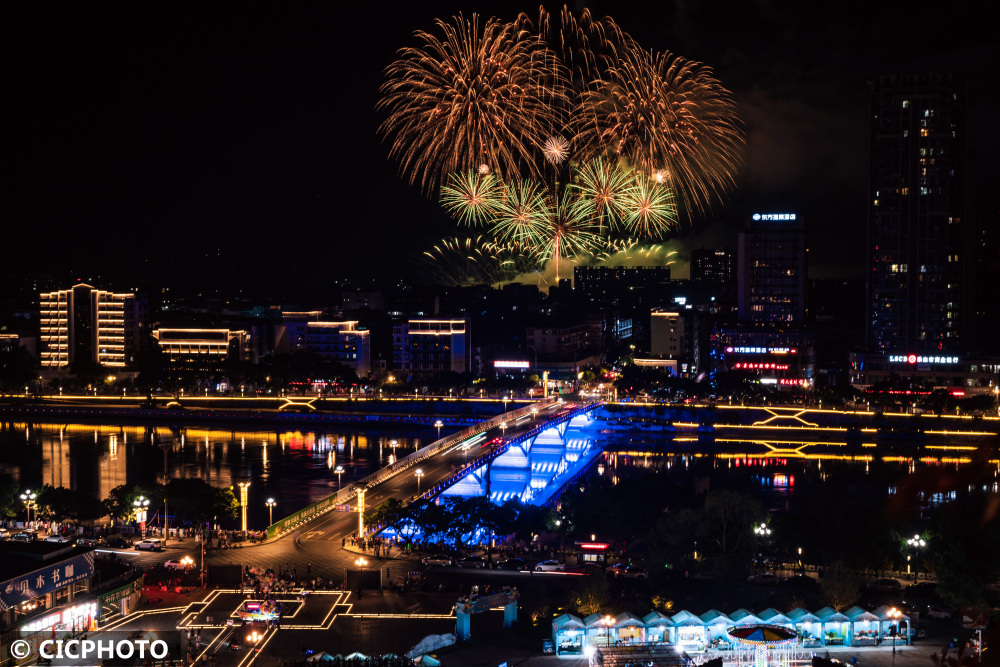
690,631
893,623
600,629
808,627
568,633
716,636
659,628
629,629
865,627
836,627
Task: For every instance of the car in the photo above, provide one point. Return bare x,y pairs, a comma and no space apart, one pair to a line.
438,559
471,561
24,536
152,544
119,543
4,534
885,586
627,571
174,564
763,579
90,541
516,564
550,566
933,611
490,444
61,539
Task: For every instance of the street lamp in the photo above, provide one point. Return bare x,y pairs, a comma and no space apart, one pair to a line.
393,444
270,510
419,473
607,621
28,498
505,399
916,543
141,508
244,486
439,424
763,533
340,471
361,562
503,429
895,615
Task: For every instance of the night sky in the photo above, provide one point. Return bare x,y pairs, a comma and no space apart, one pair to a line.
182,144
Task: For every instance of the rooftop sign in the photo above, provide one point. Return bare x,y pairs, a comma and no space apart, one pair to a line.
773,217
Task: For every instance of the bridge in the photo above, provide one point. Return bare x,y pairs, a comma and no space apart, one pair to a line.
532,453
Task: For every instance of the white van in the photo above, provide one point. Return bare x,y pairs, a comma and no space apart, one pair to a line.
152,544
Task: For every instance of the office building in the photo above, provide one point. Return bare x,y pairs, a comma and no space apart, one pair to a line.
916,215
202,348
88,323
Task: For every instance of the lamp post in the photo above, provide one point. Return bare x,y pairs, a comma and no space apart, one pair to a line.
244,486
607,621
916,543
393,444
340,471
439,424
505,399
419,473
503,429
28,498
270,510
894,614
763,533
141,505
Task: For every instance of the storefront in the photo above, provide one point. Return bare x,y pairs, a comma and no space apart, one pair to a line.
568,634
836,627
600,629
865,627
894,625
592,552
690,631
716,624
121,600
659,628
808,627
629,629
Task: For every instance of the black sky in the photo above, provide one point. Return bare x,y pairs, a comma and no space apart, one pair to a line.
236,145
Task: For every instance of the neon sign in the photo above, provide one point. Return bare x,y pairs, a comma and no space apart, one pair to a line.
762,350
760,367
920,359
774,217
511,364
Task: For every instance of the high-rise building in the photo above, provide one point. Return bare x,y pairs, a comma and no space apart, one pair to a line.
712,266
772,269
342,342
916,208
88,323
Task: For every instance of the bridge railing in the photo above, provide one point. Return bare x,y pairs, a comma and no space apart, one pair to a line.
344,495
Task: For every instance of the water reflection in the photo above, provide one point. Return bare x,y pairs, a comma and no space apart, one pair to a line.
296,468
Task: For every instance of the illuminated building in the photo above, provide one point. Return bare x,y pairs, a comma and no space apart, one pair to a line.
957,374
772,269
295,324
609,283
423,347
712,266
201,346
341,342
916,225
88,323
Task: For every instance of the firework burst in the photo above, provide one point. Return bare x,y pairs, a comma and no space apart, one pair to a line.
474,261
667,116
479,94
470,196
555,150
651,210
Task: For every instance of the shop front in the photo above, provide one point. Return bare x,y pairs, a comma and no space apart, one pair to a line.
836,627
690,631
808,628
659,628
629,629
600,630
865,627
715,630
122,600
568,633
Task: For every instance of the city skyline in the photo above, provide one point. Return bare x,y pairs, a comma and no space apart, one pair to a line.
243,149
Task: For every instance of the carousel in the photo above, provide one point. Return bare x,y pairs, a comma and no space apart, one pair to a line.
762,645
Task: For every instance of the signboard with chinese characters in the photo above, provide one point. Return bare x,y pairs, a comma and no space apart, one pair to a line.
773,217
45,580
762,350
921,359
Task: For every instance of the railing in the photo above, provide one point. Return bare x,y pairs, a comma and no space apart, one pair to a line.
305,514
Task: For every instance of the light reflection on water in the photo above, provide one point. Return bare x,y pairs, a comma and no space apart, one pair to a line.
295,468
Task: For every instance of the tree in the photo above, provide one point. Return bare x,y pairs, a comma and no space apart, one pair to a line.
59,503
120,503
965,550
725,531
198,501
592,596
10,500
841,586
